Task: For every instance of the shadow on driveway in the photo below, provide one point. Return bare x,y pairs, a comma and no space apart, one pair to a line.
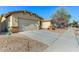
3,33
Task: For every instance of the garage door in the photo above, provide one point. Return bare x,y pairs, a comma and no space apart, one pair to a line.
25,25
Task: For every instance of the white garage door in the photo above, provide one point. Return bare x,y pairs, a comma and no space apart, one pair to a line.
25,25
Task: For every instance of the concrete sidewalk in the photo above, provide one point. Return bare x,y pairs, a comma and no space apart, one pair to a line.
66,43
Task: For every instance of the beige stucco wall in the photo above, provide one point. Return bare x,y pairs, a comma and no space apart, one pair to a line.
24,22
14,22
46,24
3,19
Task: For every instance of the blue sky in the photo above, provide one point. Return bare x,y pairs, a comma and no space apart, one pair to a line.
43,11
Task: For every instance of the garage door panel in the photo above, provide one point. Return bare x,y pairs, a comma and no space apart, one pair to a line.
25,25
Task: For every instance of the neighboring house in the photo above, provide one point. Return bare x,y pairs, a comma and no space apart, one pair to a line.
59,22
20,21
46,24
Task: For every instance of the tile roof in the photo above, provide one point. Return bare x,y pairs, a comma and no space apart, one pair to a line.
20,11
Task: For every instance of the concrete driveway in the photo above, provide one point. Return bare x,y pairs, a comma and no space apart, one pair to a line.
44,36
57,42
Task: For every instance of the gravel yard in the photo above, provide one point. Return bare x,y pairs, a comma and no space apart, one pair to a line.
20,43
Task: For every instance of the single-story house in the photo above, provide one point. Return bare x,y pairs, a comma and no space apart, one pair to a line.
54,23
46,24
20,21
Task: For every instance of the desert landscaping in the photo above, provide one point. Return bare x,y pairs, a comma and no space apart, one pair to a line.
20,43
26,31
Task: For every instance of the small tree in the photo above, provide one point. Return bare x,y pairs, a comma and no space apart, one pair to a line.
63,14
75,23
